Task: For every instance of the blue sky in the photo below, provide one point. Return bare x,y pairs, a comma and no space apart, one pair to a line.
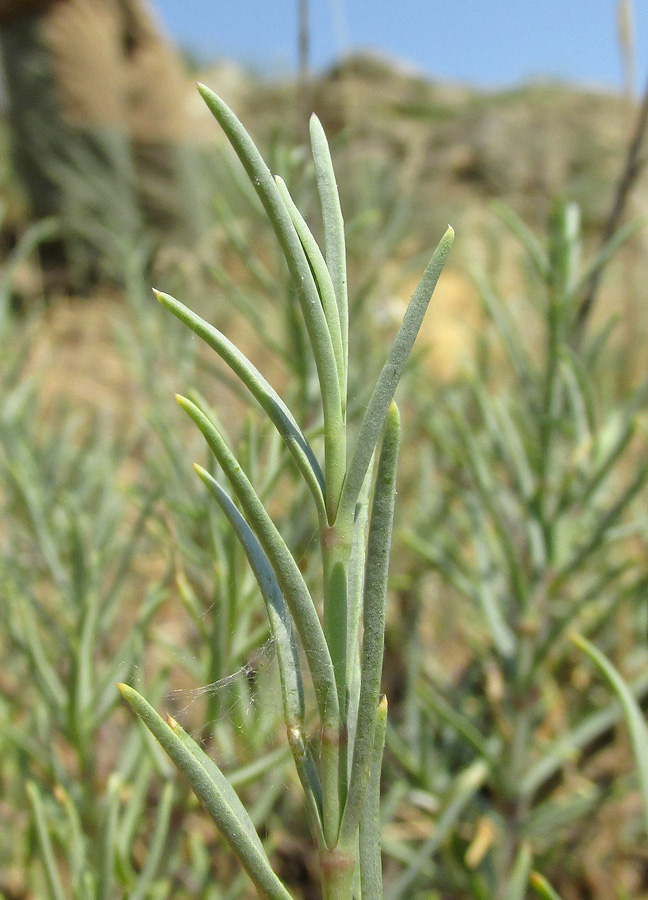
485,42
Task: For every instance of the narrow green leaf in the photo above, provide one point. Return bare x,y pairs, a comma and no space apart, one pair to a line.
434,704
334,239
52,876
525,236
138,788
107,854
324,284
566,749
220,781
373,640
606,253
48,680
76,846
609,447
154,857
490,494
251,772
369,836
287,571
506,328
463,789
304,284
542,887
383,393
513,445
215,794
632,712
356,578
285,643
264,394
278,615
603,526
503,638
517,888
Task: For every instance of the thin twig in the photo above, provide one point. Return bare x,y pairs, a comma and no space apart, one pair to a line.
632,169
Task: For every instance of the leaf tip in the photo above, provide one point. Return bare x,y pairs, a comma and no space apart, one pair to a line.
202,473
126,691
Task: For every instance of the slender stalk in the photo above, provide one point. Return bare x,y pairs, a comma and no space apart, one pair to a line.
632,169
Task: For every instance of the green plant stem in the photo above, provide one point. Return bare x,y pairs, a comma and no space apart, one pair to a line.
338,869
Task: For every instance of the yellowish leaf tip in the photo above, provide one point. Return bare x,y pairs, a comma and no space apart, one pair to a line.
124,690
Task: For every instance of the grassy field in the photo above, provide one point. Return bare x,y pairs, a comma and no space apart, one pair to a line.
512,754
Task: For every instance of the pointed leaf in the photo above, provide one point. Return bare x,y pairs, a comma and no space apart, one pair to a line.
383,393
285,568
632,711
215,794
264,394
334,240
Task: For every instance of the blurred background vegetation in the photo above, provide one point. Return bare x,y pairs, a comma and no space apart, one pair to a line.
521,507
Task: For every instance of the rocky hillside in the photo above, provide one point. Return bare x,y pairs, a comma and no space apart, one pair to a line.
451,149
455,144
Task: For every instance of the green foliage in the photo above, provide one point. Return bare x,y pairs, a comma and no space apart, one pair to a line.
536,528
521,521
335,774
